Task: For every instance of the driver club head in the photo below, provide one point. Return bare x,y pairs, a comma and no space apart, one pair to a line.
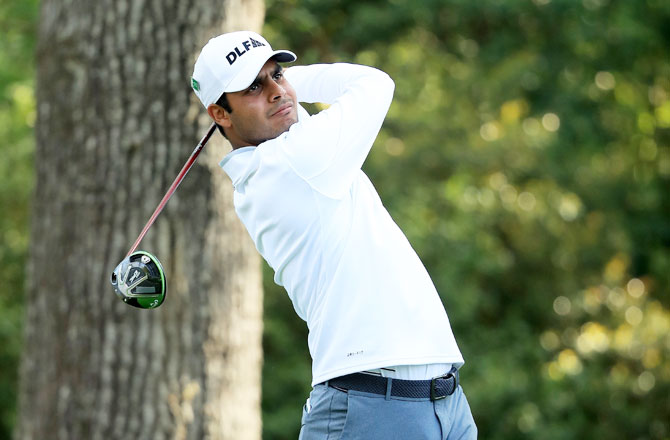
139,280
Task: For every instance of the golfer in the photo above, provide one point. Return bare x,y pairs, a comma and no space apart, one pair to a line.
384,358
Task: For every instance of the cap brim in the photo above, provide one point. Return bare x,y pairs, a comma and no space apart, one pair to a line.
284,56
247,75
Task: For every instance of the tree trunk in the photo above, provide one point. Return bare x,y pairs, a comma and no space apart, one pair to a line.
116,121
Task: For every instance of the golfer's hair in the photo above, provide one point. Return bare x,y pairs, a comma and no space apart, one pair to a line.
223,102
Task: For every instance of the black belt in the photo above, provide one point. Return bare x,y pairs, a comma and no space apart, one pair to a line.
435,389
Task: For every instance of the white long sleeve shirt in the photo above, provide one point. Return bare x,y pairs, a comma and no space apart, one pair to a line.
317,220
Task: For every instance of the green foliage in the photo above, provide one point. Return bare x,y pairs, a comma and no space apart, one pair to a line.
17,115
527,158
287,370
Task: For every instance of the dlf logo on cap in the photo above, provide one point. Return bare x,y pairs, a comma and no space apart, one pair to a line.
247,45
230,63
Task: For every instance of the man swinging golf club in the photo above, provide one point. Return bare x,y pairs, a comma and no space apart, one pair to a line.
385,361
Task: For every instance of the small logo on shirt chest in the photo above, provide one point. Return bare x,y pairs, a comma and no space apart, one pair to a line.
354,353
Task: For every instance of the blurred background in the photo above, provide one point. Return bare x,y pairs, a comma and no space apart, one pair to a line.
527,158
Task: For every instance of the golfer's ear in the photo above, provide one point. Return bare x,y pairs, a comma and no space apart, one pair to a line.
219,115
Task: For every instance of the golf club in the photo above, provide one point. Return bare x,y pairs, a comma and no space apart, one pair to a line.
139,279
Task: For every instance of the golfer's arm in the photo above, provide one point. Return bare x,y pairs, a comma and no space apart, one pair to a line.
330,147
327,82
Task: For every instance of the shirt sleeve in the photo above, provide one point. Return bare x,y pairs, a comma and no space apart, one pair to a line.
329,148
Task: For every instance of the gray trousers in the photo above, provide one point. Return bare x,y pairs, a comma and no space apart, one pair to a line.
331,414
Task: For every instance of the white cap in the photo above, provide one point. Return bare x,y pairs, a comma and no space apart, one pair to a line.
230,63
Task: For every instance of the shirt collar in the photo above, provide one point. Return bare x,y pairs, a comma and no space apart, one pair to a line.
238,164
241,162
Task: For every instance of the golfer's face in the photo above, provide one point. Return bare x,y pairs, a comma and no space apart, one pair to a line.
266,109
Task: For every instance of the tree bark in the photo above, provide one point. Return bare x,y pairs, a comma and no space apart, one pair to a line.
116,121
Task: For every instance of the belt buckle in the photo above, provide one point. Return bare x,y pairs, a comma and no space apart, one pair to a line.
433,387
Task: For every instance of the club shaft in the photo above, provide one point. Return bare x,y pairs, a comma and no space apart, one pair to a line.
187,166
